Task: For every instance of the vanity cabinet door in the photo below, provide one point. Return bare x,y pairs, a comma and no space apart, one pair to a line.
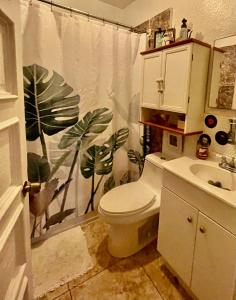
176,70
214,264
176,235
151,80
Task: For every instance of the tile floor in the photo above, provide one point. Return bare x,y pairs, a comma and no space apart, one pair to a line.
141,276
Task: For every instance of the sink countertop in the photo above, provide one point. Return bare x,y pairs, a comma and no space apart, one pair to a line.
181,168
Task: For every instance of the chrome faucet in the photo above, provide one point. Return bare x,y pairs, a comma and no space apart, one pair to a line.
228,165
232,131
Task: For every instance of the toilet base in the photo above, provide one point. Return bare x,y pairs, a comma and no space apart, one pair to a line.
127,239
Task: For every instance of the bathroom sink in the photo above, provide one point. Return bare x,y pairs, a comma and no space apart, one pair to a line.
206,175
215,176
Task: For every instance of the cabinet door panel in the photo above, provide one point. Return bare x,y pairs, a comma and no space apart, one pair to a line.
176,73
176,235
214,262
150,85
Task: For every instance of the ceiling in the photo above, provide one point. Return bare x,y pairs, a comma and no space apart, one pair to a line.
118,3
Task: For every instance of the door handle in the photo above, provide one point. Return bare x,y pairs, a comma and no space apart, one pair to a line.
34,187
160,82
190,219
202,229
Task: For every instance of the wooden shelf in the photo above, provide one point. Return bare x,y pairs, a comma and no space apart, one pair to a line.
171,129
178,43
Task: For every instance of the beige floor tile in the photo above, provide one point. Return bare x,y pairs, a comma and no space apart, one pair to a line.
65,296
165,282
147,254
96,235
56,293
122,281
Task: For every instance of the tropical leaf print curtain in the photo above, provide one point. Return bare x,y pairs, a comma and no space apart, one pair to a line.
81,110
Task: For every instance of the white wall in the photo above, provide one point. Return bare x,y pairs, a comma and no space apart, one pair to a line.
211,19
95,7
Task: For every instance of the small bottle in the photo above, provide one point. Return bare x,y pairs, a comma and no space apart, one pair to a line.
184,30
159,38
202,148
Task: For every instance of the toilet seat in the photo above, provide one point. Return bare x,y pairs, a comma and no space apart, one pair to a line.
127,199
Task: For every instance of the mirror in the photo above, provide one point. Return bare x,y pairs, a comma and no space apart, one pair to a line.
222,91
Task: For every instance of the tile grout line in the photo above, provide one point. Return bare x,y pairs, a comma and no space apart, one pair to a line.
152,282
110,265
70,292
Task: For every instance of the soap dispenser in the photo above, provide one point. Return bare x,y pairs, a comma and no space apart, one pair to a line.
184,30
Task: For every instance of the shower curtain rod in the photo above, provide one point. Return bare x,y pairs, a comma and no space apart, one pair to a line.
87,14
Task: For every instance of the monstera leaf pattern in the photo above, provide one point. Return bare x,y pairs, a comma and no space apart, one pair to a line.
136,158
84,132
97,160
118,139
48,106
38,168
87,129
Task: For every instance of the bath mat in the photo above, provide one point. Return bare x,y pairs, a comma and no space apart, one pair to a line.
59,259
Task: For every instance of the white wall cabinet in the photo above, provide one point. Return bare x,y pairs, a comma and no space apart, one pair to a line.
174,79
199,250
151,80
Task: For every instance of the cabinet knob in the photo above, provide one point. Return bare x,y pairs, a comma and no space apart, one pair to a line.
202,229
190,219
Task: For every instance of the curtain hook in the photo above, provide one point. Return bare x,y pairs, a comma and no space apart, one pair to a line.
103,21
51,5
88,15
70,11
31,2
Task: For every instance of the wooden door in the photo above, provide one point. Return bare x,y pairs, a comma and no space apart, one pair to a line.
176,69
176,234
151,80
214,266
15,273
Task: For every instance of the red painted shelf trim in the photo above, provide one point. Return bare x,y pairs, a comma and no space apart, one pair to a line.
171,129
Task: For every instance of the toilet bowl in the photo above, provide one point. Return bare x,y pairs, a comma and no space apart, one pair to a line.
132,210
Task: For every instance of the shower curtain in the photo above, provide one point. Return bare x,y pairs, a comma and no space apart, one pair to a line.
81,84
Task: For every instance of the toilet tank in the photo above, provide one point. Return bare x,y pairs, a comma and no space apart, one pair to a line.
152,172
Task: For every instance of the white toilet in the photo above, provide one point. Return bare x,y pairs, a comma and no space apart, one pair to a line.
132,210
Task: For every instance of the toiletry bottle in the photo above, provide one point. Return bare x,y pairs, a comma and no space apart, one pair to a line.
159,38
202,148
184,30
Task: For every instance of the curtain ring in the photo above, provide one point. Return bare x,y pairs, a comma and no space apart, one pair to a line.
51,5
103,21
70,11
88,15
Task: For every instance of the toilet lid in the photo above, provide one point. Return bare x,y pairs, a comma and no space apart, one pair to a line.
128,198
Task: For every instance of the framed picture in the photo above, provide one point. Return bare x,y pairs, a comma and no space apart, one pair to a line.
169,36
159,38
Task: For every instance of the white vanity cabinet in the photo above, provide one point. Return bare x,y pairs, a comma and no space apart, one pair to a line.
198,249
176,235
